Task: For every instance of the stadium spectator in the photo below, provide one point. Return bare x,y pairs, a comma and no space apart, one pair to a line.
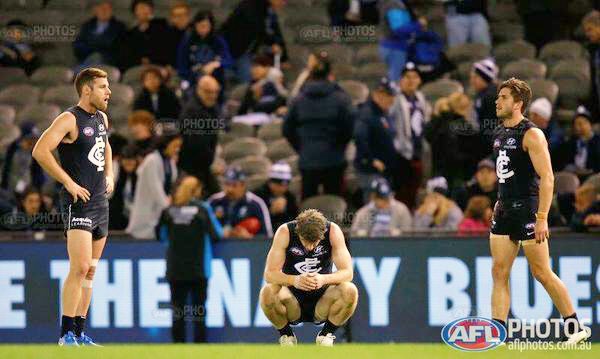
15,51
466,21
140,44
200,122
540,113
277,196
99,38
353,12
437,211
20,170
319,125
477,216
383,216
156,176
202,51
591,26
141,128
581,153
452,140
125,183
179,21
410,112
483,80
427,52
265,93
399,26
189,227
587,209
156,97
543,20
312,61
241,213
374,136
484,183
253,25
31,212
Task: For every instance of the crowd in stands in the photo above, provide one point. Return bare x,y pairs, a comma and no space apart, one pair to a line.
386,137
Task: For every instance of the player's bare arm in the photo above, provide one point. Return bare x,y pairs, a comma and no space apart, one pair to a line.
276,259
63,129
108,163
341,258
534,142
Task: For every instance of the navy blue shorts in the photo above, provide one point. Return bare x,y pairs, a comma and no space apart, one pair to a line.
91,216
515,218
308,302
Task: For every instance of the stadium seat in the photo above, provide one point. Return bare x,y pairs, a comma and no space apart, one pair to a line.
564,116
32,5
513,51
567,68
63,96
20,95
118,116
358,91
122,95
114,75
468,52
367,54
7,114
524,69
565,182
279,149
63,5
339,53
293,162
226,137
440,88
59,54
239,129
256,181
47,17
504,11
242,147
573,81
41,114
556,51
506,31
132,76
371,73
52,76
270,131
544,88
253,165
333,207
344,71
11,75
462,72
8,134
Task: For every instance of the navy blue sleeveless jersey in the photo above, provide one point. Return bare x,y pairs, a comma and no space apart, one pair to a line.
83,160
298,260
517,178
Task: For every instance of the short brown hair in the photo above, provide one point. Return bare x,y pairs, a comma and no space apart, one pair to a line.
477,206
592,18
519,90
152,69
87,77
311,225
141,117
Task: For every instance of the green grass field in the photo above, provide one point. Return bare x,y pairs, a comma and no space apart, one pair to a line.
240,351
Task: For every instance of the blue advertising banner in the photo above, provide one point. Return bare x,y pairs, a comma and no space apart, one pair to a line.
409,289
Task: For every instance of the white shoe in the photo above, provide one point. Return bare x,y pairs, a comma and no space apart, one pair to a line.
288,340
579,337
325,340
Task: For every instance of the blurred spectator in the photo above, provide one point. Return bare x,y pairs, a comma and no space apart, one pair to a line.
483,80
20,170
477,216
31,212
374,135
437,210
202,51
353,12
399,29
540,113
156,97
179,21
99,38
200,123
484,183
313,60
452,140
466,21
319,126
241,213
543,20
587,209
591,26
125,183
253,24
383,216
427,52
156,175
141,41
410,112
14,51
189,227
265,93
277,196
581,153
141,128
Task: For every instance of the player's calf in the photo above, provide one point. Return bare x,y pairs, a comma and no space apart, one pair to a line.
274,301
336,307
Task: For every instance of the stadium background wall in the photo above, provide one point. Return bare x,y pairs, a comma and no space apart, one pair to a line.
409,288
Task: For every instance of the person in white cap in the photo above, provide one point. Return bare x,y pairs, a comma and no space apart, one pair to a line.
540,113
277,196
437,210
483,80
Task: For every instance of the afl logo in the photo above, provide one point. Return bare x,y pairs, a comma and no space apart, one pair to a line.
473,334
496,143
88,131
297,251
511,141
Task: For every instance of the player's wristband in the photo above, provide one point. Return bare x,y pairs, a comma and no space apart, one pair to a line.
541,215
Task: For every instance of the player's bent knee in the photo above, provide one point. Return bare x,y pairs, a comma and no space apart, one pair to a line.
268,295
349,292
285,296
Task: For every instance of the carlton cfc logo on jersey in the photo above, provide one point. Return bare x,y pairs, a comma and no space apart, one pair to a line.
96,154
309,265
502,170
